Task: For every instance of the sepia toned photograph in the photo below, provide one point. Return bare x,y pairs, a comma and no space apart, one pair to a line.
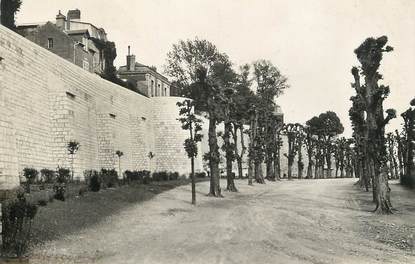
207,131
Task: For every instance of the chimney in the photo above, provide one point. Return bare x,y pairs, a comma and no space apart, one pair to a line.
74,15
60,21
130,60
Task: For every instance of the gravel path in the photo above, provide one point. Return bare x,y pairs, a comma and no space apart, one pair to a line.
307,221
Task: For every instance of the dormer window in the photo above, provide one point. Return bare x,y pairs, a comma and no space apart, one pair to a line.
50,43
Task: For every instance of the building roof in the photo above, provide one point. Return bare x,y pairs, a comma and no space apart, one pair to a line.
28,25
141,68
77,32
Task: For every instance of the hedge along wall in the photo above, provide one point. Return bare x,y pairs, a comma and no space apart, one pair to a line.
46,101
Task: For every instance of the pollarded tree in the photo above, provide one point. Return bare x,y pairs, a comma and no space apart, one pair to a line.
357,118
391,150
256,153
309,143
270,83
314,146
400,139
300,144
242,101
192,124
370,54
72,148
408,177
293,133
331,127
119,154
324,127
339,155
191,64
275,144
349,157
227,78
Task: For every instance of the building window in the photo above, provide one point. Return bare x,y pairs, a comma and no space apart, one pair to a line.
85,64
165,91
152,88
70,95
158,90
50,43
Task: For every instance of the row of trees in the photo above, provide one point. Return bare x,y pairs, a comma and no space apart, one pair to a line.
318,137
243,100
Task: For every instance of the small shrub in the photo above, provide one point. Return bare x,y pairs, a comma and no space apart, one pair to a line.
165,176
59,190
42,202
88,176
200,174
30,174
174,176
145,173
146,179
133,176
17,219
48,176
109,178
82,191
64,175
95,183
156,176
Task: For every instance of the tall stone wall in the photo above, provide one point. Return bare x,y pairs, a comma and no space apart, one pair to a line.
169,138
46,101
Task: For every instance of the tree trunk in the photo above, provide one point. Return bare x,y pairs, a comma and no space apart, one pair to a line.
310,169
250,171
290,167
259,178
270,168
328,161
192,161
214,159
300,163
251,147
383,204
229,157
72,167
243,151
237,155
240,169
277,158
277,165
395,167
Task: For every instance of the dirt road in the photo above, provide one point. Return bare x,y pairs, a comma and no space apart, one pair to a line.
307,221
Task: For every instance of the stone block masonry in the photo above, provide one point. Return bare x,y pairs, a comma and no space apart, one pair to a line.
45,101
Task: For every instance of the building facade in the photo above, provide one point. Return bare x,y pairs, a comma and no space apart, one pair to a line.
76,41
147,80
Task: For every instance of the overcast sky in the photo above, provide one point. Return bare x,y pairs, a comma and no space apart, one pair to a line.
311,42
